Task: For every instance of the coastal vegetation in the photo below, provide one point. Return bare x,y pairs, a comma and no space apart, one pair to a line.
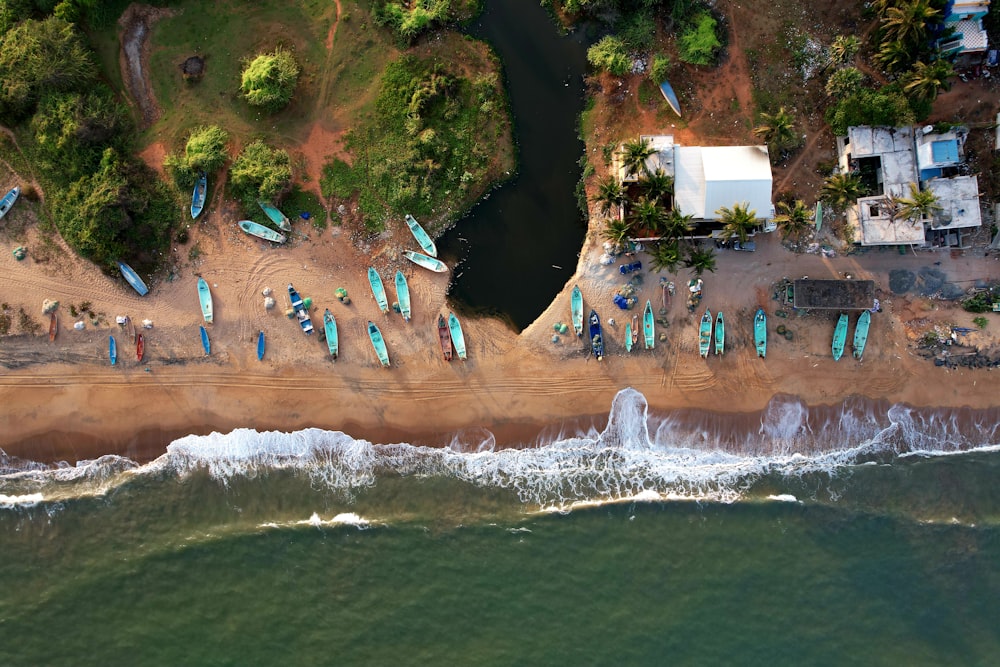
259,172
409,20
269,80
204,151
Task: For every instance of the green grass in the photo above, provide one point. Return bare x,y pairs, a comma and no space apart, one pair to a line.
299,201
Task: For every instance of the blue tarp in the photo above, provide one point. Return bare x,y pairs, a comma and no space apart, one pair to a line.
621,302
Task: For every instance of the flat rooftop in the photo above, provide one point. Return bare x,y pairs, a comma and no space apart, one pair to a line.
834,294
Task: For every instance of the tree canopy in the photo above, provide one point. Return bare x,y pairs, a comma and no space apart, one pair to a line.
259,172
699,43
205,151
610,55
269,80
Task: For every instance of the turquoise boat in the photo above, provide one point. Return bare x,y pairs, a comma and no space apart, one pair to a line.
861,333
378,289
8,200
275,216
403,295
435,265
199,194
260,346
720,333
330,329
260,231
576,309
705,334
840,337
133,278
647,325
457,337
425,241
628,336
379,344
112,350
205,297
205,343
760,332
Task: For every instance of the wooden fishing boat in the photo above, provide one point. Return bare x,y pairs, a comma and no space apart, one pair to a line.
596,335
53,327
8,200
720,333
403,295
861,333
330,329
647,326
628,336
130,328
205,343
705,334
840,336
425,241
205,297
444,335
426,262
457,337
133,278
140,348
379,344
275,216
760,332
301,314
576,309
260,345
378,289
112,350
260,231
199,194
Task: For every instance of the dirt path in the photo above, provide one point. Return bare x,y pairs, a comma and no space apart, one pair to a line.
324,75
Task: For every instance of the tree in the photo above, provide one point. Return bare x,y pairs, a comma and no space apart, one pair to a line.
610,55
885,107
844,81
268,80
659,70
698,43
610,195
647,215
700,260
893,56
666,254
841,190
777,130
907,21
676,225
411,19
843,49
925,80
259,172
793,219
617,231
657,185
206,149
737,221
634,154
920,205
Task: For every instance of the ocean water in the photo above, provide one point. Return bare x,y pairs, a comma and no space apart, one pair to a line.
861,533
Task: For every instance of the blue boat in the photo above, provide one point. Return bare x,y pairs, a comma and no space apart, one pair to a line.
301,314
668,94
275,216
403,295
8,201
260,346
596,336
379,344
205,343
457,337
199,194
421,236
378,289
133,278
112,350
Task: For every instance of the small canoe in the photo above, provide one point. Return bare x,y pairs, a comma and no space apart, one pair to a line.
840,336
760,332
425,241
648,326
596,335
628,336
140,348
260,346
378,289
379,344
720,333
403,295
444,335
260,231
8,200
199,194
112,350
275,216
53,327
426,262
457,337
861,333
133,278
205,297
668,94
576,309
205,343
330,328
130,328
705,334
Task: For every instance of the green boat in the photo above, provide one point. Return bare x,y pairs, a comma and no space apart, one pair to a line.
628,336
457,337
647,325
425,241
861,333
205,297
260,231
378,289
275,216
576,306
330,329
705,334
379,344
720,333
760,332
840,336
403,295
431,263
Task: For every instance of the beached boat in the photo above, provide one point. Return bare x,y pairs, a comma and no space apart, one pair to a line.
140,347
596,335
720,333
260,231
53,327
330,329
426,262
133,278
403,295
205,343
457,337
379,344
205,297
840,336
425,241
668,94
8,200
760,332
648,326
301,314
628,336
261,345
576,310
199,194
861,333
112,350
130,328
705,333
378,289
275,216
444,335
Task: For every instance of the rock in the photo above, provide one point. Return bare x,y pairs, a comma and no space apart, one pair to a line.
49,306
269,303
266,291
193,68
147,324
79,326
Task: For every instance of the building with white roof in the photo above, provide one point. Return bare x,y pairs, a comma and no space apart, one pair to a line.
965,19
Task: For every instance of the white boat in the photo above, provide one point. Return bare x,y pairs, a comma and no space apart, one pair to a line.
205,297
426,262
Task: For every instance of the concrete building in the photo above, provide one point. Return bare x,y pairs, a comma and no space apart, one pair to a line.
965,19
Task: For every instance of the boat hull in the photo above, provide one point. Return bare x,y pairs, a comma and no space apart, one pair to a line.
861,333
760,332
705,334
53,327
457,336
275,216
206,344
301,314
596,335
260,231
260,346
403,295
576,310
198,195
421,235
140,348
720,333
112,350
205,298
378,289
133,279
648,325
839,337
379,344
444,336
8,201
430,263
628,336
330,329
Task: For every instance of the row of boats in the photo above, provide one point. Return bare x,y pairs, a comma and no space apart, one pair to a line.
860,335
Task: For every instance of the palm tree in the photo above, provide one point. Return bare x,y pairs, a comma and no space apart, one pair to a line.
666,255
893,56
617,231
699,260
737,221
920,205
676,225
657,185
646,214
843,49
925,80
793,219
907,21
610,195
841,190
777,130
634,154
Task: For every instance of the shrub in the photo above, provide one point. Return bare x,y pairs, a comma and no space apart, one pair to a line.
409,20
980,302
980,321
609,55
698,43
268,80
844,81
259,172
885,107
659,70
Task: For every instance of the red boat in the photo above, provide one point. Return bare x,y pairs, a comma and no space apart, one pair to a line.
140,347
445,335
